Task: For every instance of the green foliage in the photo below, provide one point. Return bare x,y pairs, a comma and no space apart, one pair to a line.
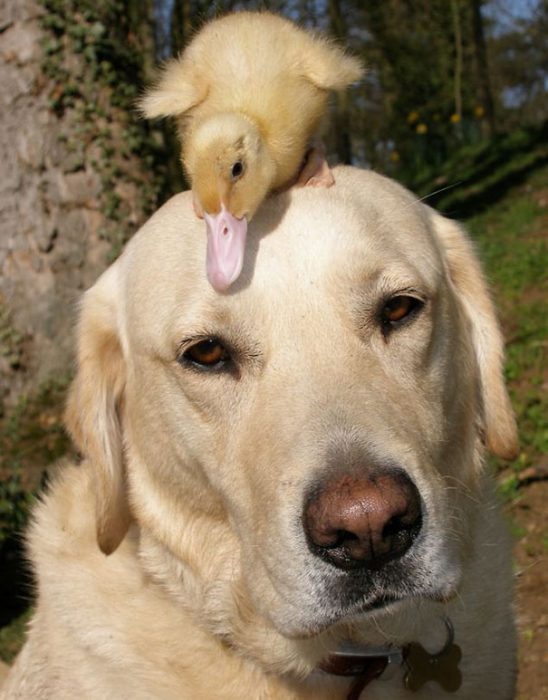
99,31
477,175
100,89
418,55
15,503
32,433
31,437
11,341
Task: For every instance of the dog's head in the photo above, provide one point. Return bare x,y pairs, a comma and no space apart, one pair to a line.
307,446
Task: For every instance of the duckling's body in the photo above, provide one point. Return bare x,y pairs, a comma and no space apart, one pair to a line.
250,97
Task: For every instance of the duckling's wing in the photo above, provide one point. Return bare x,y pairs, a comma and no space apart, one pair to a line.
178,90
326,65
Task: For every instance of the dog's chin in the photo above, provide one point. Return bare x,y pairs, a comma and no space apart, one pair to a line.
323,620
300,625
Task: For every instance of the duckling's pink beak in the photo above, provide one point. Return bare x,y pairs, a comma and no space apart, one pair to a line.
226,236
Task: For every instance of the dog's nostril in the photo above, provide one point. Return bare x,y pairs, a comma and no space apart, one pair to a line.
365,521
340,543
341,538
396,526
391,527
345,536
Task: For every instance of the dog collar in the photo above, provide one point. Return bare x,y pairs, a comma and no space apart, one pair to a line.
366,664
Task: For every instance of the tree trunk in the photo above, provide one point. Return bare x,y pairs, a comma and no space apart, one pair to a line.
142,24
181,25
458,58
482,66
343,142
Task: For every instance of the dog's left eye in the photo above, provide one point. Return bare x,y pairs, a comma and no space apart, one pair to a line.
399,309
209,354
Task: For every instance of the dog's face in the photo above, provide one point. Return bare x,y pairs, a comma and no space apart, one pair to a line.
310,439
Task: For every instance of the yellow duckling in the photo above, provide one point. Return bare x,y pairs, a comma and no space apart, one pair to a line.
250,95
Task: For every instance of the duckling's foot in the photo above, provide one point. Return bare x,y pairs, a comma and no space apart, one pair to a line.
198,209
315,171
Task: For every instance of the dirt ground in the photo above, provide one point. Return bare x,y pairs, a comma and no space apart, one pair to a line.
529,521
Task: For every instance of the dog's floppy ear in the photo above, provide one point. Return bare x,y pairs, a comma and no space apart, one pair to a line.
177,90
95,402
464,270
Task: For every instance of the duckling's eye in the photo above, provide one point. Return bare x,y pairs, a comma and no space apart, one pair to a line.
237,170
398,310
208,354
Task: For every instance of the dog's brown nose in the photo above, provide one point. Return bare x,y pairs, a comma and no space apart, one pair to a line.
363,521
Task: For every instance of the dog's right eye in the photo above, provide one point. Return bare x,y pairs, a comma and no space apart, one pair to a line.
207,354
398,310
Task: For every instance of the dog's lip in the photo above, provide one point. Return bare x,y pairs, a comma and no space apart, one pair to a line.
358,611
371,607
443,597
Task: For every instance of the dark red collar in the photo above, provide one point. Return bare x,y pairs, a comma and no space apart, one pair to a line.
365,665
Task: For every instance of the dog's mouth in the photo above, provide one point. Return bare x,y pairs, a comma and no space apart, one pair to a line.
358,611
374,605
353,602
380,603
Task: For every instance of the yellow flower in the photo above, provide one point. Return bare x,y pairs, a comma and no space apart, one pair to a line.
455,118
479,112
412,117
395,157
421,128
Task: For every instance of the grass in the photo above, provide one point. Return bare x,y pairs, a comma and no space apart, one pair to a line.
512,245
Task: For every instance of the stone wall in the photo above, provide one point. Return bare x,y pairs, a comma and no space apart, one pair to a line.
75,181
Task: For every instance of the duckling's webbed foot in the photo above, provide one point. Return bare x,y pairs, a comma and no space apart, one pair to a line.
197,206
315,171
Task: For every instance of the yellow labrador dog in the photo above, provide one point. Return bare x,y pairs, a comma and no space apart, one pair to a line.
283,493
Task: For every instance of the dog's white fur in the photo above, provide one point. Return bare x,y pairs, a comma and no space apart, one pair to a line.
194,482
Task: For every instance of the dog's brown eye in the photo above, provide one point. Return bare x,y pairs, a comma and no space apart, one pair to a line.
207,353
399,308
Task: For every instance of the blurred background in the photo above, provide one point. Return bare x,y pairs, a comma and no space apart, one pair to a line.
454,105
